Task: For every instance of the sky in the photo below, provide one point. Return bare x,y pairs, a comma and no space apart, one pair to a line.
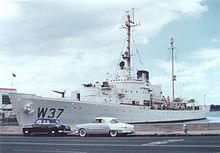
59,45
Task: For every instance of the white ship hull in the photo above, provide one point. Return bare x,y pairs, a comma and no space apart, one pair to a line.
29,107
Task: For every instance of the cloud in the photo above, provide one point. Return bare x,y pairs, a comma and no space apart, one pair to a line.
197,74
207,54
42,25
214,40
59,43
202,60
8,10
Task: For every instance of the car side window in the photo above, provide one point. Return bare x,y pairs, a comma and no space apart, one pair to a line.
52,121
38,121
45,122
97,121
114,121
58,121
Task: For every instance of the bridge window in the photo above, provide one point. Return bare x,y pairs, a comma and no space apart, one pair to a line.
5,99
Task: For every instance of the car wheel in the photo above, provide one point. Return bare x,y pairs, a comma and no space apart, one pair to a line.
113,133
26,132
82,133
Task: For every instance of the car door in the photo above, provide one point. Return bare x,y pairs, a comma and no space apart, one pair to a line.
104,127
44,126
37,126
98,126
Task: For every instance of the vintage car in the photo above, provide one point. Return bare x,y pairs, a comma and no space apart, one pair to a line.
104,125
47,126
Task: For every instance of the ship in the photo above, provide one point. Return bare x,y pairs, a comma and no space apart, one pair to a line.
128,97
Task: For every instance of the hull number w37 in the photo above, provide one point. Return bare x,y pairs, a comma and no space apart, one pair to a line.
49,112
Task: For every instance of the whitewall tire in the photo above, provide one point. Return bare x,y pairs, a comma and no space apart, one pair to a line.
113,133
82,133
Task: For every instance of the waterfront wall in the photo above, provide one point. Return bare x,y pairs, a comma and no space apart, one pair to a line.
147,129
170,127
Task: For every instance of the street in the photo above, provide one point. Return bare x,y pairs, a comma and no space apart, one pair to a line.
73,144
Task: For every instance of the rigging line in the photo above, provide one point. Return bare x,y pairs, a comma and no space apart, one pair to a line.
180,84
165,73
139,57
122,49
119,59
168,60
3,107
123,45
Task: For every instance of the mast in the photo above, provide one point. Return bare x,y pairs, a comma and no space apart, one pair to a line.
173,73
128,25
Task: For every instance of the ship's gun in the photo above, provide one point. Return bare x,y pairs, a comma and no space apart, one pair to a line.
60,92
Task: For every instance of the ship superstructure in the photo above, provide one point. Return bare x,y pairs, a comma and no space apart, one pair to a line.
132,99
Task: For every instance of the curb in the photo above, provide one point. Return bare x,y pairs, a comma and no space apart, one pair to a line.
11,134
177,134
139,134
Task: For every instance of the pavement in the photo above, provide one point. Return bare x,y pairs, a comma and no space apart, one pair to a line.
97,144
140,131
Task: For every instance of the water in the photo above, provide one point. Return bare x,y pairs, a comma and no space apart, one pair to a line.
213,117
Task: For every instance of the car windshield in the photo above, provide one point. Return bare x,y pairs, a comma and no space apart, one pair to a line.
58,121
114,121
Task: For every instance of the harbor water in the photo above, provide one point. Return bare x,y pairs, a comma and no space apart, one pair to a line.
213,117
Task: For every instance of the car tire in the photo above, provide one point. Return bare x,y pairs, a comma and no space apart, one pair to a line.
113,133
26,132
82,133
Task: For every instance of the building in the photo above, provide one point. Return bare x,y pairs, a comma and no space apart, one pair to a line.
6,110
